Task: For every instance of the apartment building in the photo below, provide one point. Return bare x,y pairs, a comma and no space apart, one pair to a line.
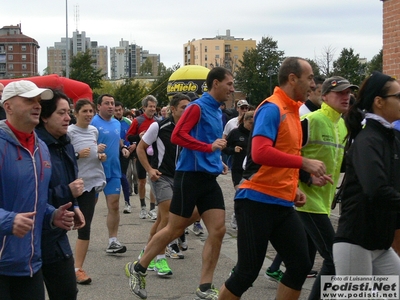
79,42
18,53
127,59
222,50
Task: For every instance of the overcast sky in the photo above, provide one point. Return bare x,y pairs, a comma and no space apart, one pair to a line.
301,27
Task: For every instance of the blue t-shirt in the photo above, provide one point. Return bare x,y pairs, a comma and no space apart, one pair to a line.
397,125
109,134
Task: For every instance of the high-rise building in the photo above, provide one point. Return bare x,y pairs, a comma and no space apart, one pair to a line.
222,50
56,55
391,34
127,60
18,53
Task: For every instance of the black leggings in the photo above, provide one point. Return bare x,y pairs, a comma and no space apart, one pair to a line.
87,203
22,287
258,223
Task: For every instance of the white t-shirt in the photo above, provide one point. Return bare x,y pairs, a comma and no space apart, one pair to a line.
230,125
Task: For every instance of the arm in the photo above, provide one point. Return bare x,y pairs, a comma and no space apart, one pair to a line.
132,134
181,134
148,139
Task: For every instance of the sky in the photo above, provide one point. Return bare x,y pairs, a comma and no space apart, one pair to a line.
302,28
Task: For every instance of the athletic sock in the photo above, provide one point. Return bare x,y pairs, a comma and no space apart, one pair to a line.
138,268
152,206
204,287
142,203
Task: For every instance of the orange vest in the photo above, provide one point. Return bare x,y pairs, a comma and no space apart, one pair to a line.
280,182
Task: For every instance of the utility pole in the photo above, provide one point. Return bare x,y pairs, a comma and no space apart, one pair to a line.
66,41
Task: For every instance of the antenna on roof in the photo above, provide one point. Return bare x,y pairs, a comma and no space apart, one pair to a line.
76,16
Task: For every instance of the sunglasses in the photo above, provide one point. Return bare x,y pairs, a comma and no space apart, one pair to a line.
243,107
393,95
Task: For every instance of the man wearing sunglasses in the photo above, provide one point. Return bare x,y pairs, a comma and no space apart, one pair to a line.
242,106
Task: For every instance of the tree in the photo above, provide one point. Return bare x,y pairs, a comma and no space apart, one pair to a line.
325,61
258,72
314,66
348,65
130,93
376,63
81,69
159,87
161,69
146,68
107,87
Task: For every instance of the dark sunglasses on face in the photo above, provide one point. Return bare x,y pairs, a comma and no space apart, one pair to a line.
244,107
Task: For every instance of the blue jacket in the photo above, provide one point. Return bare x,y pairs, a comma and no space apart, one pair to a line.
208,129
24,182
55,244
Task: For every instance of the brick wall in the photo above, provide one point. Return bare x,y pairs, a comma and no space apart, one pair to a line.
391,37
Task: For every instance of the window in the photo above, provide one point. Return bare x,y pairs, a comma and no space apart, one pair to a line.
217,56
11,67
236,48
10,57
205,48
23,48
216,47
205,65
10,48
205,57
23,57
23,66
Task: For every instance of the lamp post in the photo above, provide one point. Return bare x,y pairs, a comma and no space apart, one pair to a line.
66,41
270,73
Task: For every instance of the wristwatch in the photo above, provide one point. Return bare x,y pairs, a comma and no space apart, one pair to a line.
77,155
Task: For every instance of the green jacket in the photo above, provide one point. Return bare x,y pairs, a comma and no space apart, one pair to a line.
324,140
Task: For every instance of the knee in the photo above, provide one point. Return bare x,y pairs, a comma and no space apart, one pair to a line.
217,232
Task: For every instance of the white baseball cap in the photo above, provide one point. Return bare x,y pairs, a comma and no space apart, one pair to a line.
26,89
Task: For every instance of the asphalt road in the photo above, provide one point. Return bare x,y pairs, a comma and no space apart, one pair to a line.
109,281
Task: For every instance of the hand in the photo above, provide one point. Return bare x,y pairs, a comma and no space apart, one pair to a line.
154,174
76,187
84,152
102,157
238,148
63,218
218,144
125,152
225,169
79,219
300,199
23,223
101,148
321,180
313,166
132,148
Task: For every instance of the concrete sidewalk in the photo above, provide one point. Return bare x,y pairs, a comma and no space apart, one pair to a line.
107,271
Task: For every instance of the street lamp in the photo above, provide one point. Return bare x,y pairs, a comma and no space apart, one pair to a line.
270,73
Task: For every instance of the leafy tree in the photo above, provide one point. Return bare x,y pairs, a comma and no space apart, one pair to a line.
314,66
107,87
348,65
325,60
376,63
159,87
130,93
258,72
161,69
146,68
81,69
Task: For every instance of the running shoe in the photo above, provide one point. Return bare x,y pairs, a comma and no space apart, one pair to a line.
151,264
210,294
143,213
116,247
173,251
152,214
197,228
182,244
312,274
233,221
81,277
162,268
127,208
276,275
137,281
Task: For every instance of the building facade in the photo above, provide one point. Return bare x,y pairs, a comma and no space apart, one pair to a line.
18,53
391,37
222,50
126,61
56,55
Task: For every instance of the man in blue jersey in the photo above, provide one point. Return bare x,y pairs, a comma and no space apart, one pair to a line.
109,134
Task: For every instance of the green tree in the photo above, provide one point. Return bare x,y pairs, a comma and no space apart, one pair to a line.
81,69
348,65
146,68
314,66
159,87
161,69
376,63
258,73
130,93
107,87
